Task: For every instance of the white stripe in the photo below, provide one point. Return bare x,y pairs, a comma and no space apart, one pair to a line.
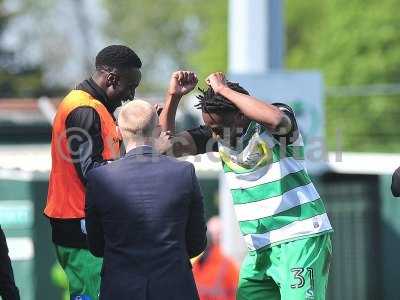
20,248
268,138
269,207
296,229
266,174
20,175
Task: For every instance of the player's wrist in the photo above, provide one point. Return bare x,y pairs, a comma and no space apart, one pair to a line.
221,89
173,96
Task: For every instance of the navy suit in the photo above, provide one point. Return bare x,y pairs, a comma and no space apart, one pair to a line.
145,216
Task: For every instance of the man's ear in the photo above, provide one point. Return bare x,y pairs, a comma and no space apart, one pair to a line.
112,80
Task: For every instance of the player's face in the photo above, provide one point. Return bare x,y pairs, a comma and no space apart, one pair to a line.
122,85
226,127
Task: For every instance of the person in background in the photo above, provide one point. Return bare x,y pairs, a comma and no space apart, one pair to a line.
8,289
145,216
216,275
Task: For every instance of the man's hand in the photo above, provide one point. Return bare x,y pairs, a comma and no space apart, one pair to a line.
163,143
217,81
182,83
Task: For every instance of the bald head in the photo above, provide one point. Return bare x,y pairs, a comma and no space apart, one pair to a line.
137,121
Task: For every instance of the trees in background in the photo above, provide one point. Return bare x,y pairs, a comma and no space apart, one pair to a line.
211,53
16,80
354,44
22,64
171,34
167,34
56,39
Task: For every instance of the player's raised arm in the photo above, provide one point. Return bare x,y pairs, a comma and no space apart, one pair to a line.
254,109
181,83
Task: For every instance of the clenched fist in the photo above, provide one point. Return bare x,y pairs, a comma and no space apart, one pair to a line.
217,81
182,83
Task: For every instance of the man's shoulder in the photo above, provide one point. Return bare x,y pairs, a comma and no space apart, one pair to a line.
101,171
174,168
174,162
114,169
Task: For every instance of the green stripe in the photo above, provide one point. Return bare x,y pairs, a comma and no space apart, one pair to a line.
271,189
278,153
264,186
298,213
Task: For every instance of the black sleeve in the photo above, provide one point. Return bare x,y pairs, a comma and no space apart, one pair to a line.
8,289
293,134
94,226
196,239
202,137
83,130
396,183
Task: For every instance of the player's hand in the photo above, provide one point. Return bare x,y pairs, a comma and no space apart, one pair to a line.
182,83
163,143
217,81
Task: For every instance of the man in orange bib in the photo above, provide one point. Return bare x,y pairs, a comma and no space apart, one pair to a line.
84,137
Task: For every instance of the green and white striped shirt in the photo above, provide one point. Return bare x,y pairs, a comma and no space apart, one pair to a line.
273,196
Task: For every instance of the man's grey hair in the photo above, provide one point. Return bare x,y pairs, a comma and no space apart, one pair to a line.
137,120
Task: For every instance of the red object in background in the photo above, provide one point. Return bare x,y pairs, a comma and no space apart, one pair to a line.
216,275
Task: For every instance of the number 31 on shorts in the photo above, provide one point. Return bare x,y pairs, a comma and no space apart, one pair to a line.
300,275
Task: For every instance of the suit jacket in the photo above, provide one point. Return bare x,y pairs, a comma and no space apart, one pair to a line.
145,216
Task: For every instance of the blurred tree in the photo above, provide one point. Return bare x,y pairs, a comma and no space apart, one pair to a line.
211,54
353,42
162,32
62,37
16,79
171,34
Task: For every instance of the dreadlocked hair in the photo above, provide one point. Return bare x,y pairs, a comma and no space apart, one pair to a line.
211,102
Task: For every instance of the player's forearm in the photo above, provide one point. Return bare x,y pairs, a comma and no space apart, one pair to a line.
167,116
182,144
254,109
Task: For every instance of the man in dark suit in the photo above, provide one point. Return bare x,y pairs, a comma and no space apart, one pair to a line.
144,215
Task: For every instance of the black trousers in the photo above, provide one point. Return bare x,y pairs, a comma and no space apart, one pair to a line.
8,289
